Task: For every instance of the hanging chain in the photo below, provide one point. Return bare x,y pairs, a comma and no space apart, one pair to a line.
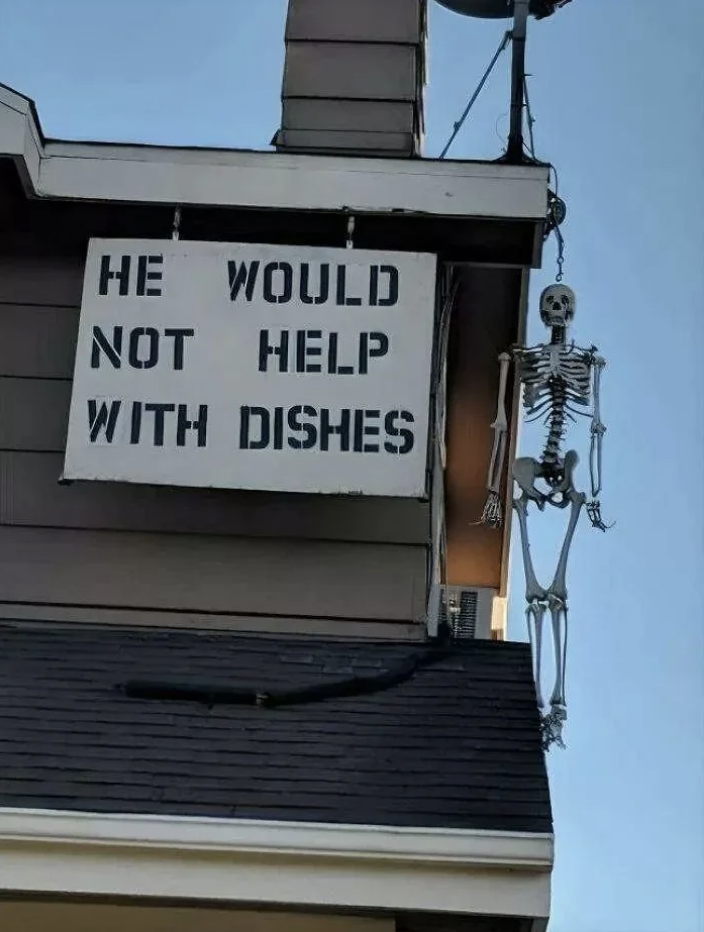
557,211
560,254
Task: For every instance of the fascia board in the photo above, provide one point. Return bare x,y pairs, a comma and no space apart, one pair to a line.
246,179
300,864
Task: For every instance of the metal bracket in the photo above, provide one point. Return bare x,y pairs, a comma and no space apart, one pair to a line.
349,242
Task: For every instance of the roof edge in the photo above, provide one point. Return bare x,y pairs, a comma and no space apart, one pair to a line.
515,850
297,863
179,176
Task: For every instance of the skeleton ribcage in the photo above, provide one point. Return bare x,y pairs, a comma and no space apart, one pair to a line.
554,375
557,386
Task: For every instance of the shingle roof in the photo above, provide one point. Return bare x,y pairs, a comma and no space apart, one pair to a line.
455,745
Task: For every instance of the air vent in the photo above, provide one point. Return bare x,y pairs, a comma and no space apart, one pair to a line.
461,612
464,611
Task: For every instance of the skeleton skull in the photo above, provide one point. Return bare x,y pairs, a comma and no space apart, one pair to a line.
557,306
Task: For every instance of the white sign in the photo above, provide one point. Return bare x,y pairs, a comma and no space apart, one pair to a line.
253,367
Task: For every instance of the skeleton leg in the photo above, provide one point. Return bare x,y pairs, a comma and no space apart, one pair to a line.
492,509
534,591
557,602
536,596
535,615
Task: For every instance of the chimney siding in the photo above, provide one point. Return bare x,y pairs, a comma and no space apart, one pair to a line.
353,77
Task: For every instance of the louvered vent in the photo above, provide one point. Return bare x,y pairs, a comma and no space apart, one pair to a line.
462,613
466,612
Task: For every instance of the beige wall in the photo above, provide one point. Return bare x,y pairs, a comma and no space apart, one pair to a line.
84,917
150,554
96,917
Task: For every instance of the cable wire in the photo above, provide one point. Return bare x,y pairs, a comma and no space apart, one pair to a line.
472,100
529,120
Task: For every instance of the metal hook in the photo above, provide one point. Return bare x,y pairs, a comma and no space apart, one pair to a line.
176,226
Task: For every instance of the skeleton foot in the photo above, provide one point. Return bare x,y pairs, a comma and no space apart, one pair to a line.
594,513
551,726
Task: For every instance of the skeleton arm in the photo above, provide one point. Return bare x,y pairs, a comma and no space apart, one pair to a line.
598,429
492,508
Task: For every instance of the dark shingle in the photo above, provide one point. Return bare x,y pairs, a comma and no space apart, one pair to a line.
456,745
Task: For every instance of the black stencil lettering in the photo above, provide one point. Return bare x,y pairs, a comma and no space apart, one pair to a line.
267,349
363,429
239,275
342,429
152,357
111,348
371,346
107,274
145,274
304,350
159,410
278,428
102,417
324,285
333,367
406,436
246,414
286,283
342,297
392,295
297,424
373,285
183,424
179,334
136,422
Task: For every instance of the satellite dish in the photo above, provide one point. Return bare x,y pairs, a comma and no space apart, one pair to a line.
500,9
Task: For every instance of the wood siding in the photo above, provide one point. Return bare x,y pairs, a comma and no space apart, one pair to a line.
206,553
237,575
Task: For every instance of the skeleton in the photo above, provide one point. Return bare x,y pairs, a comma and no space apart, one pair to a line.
560,381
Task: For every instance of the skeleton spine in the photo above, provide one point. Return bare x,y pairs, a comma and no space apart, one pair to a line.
556,423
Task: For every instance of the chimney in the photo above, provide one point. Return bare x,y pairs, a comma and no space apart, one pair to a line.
353,77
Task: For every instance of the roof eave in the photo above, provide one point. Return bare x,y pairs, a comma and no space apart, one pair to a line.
237,178
293,863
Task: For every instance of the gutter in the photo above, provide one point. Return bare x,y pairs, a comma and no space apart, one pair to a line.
296,863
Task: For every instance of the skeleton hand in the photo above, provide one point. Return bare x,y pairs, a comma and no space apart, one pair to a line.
594,513
491,516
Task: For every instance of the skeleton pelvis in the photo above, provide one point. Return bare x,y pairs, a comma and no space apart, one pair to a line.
527,472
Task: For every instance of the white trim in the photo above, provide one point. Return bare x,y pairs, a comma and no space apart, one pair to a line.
522,851
235,178
297,864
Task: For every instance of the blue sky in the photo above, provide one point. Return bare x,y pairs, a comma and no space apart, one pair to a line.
618,108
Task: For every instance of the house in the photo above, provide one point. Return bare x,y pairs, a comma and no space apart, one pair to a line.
252,708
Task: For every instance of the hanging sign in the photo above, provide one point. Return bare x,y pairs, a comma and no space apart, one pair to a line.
245,366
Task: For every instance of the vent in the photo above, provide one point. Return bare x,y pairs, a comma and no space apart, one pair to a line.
464,611
461,611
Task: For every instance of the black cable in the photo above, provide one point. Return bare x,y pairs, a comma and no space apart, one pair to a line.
529,120
212,694
458,125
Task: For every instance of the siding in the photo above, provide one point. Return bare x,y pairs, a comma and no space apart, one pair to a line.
198,551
